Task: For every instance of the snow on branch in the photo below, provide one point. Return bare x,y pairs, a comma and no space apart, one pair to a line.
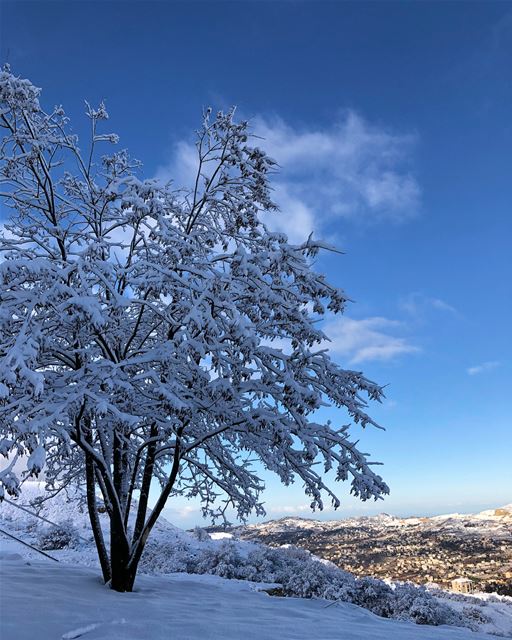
140,324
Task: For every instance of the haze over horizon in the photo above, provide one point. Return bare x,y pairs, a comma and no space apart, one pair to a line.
188,518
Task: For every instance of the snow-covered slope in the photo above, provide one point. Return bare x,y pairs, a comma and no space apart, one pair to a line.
67,507
170,550
50,601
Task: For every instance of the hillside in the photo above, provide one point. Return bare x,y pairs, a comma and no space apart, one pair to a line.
67,601
231,571
494,522
422,550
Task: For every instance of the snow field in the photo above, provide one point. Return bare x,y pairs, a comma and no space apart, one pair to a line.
237,566
48,601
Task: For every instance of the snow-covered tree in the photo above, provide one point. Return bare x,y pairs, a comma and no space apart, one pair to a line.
151,336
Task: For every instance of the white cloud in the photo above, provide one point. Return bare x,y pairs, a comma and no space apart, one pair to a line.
351,169
482,368
437,303
182,167
295,218
367,339
183,512
296,509
416,304
290,509
4,231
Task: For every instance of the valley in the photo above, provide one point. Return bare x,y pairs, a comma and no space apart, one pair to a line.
437,550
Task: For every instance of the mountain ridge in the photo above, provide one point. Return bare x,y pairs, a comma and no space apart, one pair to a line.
422,550
501,514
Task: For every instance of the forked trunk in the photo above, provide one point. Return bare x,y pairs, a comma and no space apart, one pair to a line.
122,575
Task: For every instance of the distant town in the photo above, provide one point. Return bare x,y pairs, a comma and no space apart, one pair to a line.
460,552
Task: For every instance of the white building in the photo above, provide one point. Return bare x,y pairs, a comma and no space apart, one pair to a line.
462,585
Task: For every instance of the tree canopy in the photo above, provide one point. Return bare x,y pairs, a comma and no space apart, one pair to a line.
151,333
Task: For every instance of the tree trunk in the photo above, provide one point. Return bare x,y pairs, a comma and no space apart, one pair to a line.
139,543
122,576
146,485
94,519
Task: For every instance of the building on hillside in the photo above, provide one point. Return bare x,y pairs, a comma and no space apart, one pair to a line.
506,572
462,585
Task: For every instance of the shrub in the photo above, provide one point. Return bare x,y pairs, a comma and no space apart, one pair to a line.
223,560
417,604
376,596
302,575
201,534
62,536
165,557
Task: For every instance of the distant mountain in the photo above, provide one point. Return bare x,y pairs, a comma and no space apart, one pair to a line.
497,522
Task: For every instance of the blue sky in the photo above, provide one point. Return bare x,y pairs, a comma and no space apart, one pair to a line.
391,122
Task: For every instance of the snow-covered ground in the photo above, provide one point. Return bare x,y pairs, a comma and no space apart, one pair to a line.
497,610
67,600
44,600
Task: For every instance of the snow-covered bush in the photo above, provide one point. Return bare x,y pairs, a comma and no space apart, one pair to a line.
201,534
265,564
416,603
302,575
376,596
63,536
475,616
305,577
164,557
223,560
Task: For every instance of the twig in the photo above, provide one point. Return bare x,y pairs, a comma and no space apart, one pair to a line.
28,545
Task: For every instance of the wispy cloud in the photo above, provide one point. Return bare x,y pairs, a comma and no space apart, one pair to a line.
290,509
482,368
374,338
296,509
417,304
183,512
350,169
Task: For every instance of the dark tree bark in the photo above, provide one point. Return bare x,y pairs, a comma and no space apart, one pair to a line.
121,579
95,521
140,542
146,484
